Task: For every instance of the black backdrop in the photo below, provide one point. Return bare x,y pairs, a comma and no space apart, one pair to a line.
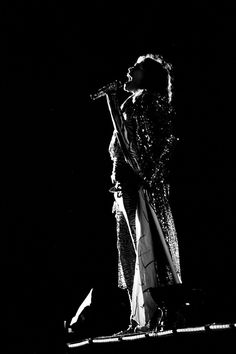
58,232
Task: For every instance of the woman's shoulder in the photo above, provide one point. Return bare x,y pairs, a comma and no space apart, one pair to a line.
154,100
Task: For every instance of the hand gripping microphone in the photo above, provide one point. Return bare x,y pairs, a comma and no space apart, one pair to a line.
112,86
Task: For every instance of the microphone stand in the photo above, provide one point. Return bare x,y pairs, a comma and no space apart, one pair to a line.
118,123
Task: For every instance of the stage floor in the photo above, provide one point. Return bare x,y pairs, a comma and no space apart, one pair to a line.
210,338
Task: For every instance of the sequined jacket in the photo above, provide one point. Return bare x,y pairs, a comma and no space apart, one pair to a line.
148,122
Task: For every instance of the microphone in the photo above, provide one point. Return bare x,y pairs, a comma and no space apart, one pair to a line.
112,86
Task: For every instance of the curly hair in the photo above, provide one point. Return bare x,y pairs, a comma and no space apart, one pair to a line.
157,74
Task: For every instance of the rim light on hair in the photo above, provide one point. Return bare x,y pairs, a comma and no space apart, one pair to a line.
167,66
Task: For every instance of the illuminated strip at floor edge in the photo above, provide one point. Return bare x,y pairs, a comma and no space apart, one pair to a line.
113,339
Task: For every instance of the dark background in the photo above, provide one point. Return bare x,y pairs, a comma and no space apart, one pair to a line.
58,235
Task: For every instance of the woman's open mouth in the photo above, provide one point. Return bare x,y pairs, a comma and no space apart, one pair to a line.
129,77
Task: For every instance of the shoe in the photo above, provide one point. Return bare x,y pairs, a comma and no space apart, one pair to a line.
129,330
142,329
154,325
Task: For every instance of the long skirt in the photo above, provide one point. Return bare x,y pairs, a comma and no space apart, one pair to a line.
148,251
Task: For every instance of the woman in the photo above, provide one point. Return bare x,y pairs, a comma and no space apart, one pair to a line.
140,149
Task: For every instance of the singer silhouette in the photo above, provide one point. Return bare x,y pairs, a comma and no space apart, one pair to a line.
140,150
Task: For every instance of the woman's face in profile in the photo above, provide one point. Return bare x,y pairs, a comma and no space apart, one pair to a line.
135,75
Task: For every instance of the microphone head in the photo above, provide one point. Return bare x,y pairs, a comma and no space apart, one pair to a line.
112,86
